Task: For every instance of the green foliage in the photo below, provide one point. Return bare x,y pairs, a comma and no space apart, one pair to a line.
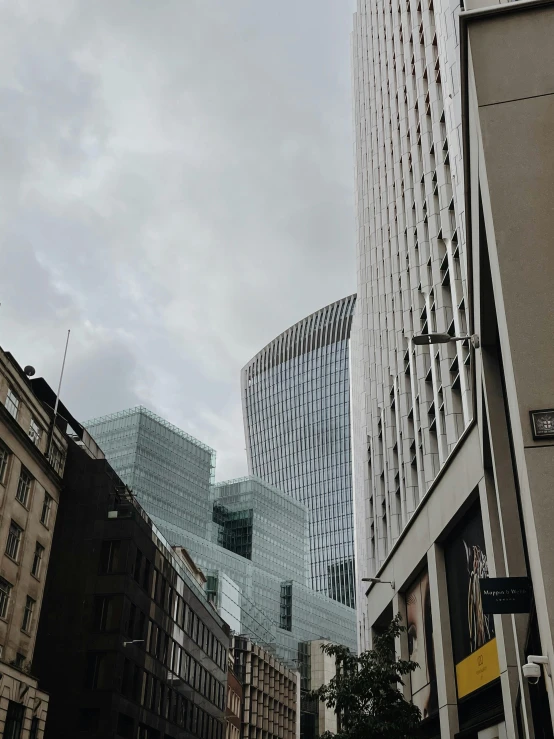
366,691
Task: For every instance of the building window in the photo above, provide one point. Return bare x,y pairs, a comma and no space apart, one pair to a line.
28,614
56,458
286,606
99,672
107,612
33,732
19,660
110,556
14,720
4,458
5,591
35,432
24,487
125,726
37,560
12,403
46,509
14,541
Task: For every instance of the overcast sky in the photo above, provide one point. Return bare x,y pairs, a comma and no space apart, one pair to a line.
176,185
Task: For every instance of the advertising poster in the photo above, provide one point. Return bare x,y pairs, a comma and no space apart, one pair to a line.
473,640
420,646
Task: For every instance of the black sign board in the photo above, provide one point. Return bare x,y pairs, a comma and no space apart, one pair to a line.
506,594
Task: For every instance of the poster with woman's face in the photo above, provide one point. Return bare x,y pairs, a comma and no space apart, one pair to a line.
420,646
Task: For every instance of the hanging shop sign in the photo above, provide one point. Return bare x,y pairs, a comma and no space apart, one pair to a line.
506,594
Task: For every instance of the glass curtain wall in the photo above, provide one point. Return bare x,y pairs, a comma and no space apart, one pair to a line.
296,404
169,471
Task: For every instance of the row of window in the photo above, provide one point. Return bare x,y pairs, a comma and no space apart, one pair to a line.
161,646
35,432
13,547
175,606
158,696
112,561
24,486
15,717
5,598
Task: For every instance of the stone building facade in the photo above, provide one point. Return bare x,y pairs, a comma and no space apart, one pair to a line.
30,484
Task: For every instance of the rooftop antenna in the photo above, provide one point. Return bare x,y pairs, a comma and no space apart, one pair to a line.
53,426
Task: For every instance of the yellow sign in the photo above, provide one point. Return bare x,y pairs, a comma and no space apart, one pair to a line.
478,669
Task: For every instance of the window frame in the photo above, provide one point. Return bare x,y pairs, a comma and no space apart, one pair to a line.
28,612
13,402
46,512
57,458
15,718
5,597
14,529
37,557
27,486
35,431
5,455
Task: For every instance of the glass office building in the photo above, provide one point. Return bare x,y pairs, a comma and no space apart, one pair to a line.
249,538
296,405
275,537
169,471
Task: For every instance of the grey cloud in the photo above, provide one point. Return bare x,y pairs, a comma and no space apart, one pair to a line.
102,380
184,170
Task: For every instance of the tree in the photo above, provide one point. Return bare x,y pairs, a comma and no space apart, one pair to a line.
365,692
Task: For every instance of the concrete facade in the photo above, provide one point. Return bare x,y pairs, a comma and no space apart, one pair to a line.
235,703
447,470
271,693
322,670
29,496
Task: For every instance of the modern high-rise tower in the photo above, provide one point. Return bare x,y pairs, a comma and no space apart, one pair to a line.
296,406
411,404
452,362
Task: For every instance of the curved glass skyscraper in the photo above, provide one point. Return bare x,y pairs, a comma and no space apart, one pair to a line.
296,405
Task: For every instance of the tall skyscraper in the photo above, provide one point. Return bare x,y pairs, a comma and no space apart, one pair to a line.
411,403
452,359
296,406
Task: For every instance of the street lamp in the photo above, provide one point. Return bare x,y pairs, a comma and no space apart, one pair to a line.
426,339
378,581
135,641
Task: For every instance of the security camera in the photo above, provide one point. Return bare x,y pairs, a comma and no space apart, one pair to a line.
531,671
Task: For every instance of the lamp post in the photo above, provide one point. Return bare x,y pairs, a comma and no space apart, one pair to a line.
377,581
426,339
134,641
